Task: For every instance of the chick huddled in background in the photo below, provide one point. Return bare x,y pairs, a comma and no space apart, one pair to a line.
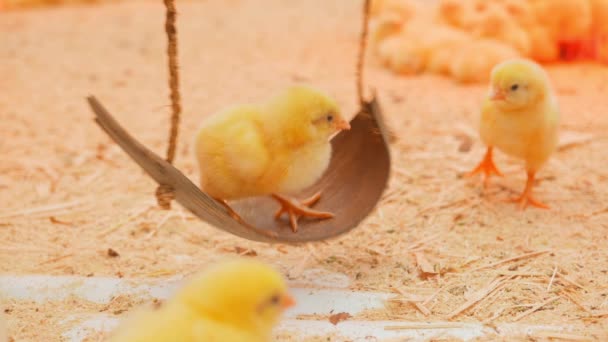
15,4
275,148
520,117
472,36
599,30
476,61
238,300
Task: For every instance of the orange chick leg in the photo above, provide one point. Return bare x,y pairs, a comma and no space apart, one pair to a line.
230,210
486,166
296,209
526,197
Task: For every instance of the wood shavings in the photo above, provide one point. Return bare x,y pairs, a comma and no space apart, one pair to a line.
339,317
422,242
55,220
478,296
570,281
416,301
56,259
599,314
534,308
508,260
423,309
552,278
245,251
562,336
420,326
569,139
46,209
575,301
123,222
425,268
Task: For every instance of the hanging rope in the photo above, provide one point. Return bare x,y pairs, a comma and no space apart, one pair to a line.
164,192
362,48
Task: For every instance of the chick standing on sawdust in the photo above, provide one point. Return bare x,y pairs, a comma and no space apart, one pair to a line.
520,117
237,300
275,148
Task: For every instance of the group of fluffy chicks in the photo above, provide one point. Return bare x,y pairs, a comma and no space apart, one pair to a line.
283,145
241,300
466,38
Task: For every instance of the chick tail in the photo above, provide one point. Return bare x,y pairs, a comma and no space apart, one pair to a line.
486,166
296,209
526,197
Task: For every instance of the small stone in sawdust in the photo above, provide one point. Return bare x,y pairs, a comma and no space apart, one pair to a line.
339,317
112,253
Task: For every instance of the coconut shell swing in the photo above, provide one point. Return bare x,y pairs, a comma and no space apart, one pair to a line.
352,186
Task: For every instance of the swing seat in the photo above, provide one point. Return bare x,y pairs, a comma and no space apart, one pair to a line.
352,186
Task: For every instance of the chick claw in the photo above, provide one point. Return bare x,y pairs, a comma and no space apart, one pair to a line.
486,166
230,210
296,210
526,199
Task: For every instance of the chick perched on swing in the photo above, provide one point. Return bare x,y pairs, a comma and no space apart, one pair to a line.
275,148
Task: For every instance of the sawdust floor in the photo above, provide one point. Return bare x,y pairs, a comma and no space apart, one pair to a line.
68,194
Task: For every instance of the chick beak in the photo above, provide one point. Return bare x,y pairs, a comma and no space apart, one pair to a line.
288,301
342,125
497,95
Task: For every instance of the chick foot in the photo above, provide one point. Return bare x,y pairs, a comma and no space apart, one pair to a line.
296,209
230,210
486,166
526,197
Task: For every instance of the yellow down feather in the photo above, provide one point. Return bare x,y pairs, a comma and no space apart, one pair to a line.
236,300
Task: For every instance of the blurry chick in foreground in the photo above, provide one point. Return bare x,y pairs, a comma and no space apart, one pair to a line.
520,117
237,300
275,148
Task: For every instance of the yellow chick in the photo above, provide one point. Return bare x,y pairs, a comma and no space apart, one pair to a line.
405,9
566,19
274,148
420,46
600,29
520,117
498,23
384,27
452,12
238,300
543,47
389,17
441,42
520,11
474,61
403,54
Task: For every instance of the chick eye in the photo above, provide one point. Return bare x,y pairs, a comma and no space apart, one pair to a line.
330,118
274,300
515,87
